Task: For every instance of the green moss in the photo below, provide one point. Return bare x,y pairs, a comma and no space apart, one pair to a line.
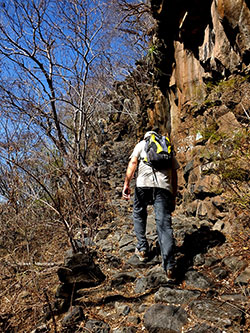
210,132
208,103
223,85
210,85
244,201
232,172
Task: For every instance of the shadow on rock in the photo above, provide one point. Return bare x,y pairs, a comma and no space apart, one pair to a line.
197,242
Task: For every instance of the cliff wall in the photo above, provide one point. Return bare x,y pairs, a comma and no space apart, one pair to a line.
199,42
201,96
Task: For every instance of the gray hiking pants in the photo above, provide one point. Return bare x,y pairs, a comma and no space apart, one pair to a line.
161,199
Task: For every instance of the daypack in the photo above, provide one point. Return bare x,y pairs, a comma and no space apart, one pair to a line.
158,151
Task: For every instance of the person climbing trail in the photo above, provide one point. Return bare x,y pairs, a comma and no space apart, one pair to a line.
156,184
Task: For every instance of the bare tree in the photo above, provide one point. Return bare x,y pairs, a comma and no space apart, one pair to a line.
60,59
48,65
49,50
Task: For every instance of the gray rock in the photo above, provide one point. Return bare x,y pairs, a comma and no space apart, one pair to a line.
175,296
79,271
122,309
135,262
234,264
187,169
142,308
134,320
221,314
122,278
106,245
183,226
141,285
161,318
220,273
116,236
151,225
204,187
155,278
244,277
74,316
205,223
210,261
96,326
197,280
127,239
85,275
219,225
128,248
113,261
235,298
102,234
199,259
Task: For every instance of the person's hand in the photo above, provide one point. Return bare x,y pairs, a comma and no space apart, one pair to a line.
126,192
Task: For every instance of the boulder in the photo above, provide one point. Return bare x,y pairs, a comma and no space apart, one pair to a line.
156,277
222,314
207,186
80,269
161,318
228,123
122,278
196,280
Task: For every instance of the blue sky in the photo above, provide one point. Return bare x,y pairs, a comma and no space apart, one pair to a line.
48,50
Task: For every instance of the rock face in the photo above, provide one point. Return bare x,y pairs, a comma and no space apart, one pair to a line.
200,40
197,42
203,56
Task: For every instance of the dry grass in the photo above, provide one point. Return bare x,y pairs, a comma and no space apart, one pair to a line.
28,273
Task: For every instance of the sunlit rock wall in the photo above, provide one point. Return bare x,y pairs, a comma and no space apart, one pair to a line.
200,45
198,41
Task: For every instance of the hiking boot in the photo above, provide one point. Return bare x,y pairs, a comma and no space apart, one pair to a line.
142,255
170,275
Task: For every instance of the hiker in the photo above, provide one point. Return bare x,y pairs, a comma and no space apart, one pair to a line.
158,188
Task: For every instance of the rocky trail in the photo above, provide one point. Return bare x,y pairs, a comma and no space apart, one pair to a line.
110,290
194,83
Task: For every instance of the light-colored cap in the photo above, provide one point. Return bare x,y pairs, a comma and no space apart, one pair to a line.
148,134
